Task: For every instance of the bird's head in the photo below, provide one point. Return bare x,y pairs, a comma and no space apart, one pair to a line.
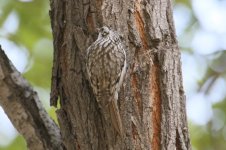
103,32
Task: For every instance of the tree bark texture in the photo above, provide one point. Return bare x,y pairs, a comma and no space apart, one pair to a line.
151,101
23,107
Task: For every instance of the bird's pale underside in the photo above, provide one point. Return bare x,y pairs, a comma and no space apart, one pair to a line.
106,68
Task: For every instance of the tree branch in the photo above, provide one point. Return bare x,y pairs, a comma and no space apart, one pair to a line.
23,107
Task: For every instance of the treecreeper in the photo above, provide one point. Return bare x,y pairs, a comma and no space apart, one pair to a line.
106,69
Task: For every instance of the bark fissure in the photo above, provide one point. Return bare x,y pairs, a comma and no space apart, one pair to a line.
156,107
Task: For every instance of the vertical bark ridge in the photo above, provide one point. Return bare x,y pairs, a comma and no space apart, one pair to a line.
140,25
156,107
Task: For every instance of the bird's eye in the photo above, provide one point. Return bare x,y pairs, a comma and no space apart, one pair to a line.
104,33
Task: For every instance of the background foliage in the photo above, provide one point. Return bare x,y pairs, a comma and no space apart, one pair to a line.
25,35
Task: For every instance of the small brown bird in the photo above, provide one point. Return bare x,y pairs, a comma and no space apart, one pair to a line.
106,68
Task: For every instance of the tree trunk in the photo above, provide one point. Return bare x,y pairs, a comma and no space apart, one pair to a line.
151,100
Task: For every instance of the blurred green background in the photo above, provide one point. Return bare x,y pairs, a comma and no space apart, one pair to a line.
25,35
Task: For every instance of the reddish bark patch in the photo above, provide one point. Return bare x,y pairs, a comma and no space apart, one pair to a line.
134,132
90,22
156,104
136,93
140,25
154,83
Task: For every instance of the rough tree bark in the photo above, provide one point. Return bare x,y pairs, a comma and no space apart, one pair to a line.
151,101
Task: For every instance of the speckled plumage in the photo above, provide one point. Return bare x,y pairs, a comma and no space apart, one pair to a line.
106,68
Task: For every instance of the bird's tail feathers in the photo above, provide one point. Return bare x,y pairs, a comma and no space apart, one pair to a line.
115,117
